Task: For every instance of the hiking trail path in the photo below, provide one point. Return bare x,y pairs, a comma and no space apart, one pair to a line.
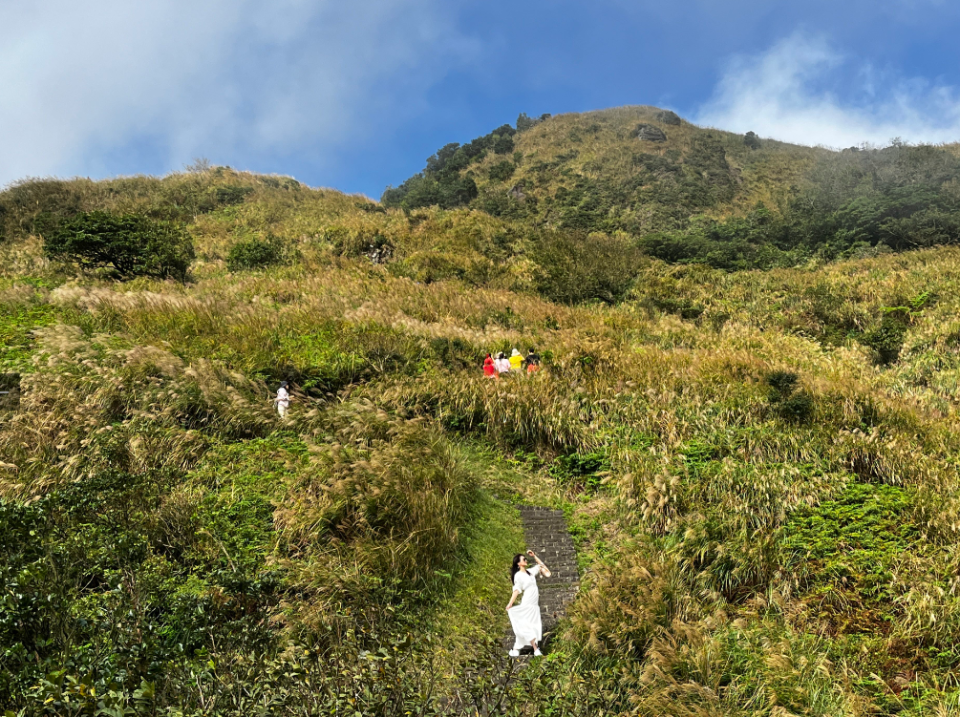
545,532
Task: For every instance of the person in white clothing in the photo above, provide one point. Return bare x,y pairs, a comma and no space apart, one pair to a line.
502,363
283,399
525,617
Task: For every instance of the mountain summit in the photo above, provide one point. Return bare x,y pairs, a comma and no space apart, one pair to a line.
689,193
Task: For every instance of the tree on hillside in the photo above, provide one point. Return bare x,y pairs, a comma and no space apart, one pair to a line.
440,183
133,245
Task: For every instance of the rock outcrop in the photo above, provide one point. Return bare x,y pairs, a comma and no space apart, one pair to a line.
668,117
650,133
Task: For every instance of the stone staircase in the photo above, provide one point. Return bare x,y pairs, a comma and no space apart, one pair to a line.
546,534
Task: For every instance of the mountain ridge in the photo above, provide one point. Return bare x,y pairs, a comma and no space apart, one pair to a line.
700,194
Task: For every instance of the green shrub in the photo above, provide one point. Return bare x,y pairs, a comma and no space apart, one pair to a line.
797,408
787,402
133,245
887,339
782,384
575,268
21,204
423,190
502,171
255,253
231,194
581,470
524,122
852,544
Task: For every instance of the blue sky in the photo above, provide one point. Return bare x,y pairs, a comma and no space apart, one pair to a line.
355,95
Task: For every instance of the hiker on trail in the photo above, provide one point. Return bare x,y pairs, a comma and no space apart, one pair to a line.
489,369
532,361
502,363
283,399
525,617
516,361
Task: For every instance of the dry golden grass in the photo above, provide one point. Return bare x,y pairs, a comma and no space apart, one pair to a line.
692,594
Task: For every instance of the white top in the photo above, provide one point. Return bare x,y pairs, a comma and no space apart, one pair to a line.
502,365
283,398
525,581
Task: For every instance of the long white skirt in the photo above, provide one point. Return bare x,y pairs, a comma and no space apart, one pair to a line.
527,625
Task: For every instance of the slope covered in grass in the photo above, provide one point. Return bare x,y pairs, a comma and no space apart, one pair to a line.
759,467
686,194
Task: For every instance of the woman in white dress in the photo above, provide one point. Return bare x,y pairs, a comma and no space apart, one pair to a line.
283,399
525,617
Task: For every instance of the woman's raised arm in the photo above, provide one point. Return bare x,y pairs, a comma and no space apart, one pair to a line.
543,568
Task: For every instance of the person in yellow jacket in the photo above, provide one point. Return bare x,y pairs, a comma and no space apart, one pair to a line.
516,361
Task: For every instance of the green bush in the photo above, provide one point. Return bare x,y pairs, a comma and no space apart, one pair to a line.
440,183
852,544
133,245
525,122
574,268
583,471
21,204
423,190
887,339
782,384
787,402
502,171
231,194
255,253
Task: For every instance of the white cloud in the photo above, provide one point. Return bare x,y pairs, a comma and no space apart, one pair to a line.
225,79
804,91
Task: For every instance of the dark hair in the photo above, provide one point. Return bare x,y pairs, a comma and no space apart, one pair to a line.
515,568
284,384
531,351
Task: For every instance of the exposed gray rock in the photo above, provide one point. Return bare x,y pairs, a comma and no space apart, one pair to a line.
668,117
650,133
517,193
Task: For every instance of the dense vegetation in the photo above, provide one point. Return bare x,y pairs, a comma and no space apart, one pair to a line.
759,467
130,244
705,196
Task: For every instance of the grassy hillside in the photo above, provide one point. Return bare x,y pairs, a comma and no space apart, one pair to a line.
688,194
759,467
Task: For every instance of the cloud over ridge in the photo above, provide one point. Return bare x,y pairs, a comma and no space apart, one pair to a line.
805,91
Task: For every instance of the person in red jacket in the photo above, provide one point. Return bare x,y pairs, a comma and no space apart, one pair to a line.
489,370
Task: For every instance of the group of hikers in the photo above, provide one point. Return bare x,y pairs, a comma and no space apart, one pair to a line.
493,367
